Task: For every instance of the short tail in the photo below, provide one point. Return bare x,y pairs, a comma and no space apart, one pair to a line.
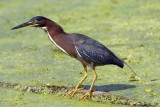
130,68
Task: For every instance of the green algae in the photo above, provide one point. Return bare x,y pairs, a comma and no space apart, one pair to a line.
104,98
12,98
130,28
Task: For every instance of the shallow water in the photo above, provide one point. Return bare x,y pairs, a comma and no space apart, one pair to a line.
129,28
13,98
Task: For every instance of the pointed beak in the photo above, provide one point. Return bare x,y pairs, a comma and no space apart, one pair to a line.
21,25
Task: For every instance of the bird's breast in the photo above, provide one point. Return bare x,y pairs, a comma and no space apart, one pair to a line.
55,43
63,43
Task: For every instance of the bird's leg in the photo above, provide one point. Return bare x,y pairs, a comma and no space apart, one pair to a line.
76,88
88,94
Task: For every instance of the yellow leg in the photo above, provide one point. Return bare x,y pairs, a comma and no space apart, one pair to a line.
88,94
76,88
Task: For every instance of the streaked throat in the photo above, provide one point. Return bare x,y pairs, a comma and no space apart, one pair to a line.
50,37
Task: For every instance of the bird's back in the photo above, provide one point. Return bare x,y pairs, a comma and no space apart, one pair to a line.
91,50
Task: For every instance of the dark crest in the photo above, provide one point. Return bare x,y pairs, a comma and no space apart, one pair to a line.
38,18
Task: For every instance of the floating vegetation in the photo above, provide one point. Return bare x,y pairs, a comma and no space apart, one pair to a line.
97,96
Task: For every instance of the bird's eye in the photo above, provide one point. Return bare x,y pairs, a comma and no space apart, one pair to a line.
34,22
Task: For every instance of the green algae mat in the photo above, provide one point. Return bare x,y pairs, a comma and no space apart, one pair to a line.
30,63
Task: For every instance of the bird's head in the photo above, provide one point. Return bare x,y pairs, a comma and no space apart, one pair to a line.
38,21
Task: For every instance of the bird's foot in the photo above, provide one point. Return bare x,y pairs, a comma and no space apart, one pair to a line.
73,92
88,94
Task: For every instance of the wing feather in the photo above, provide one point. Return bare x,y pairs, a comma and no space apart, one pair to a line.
93,51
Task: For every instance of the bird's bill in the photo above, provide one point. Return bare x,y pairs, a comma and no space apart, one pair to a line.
22,25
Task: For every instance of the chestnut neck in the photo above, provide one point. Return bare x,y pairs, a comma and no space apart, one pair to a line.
53,28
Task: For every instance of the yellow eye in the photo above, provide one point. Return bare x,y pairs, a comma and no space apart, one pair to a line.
34,22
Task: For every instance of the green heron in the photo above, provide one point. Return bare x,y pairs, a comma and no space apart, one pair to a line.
85,49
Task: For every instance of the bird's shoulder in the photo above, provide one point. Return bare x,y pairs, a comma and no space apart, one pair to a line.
85,43
93,51
80,39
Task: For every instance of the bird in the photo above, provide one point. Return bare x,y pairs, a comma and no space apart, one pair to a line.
88,51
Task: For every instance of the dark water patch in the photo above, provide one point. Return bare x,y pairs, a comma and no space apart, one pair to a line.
111,87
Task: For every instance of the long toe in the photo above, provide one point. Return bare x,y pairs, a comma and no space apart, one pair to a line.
76,91
72,92
68,93
87,95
